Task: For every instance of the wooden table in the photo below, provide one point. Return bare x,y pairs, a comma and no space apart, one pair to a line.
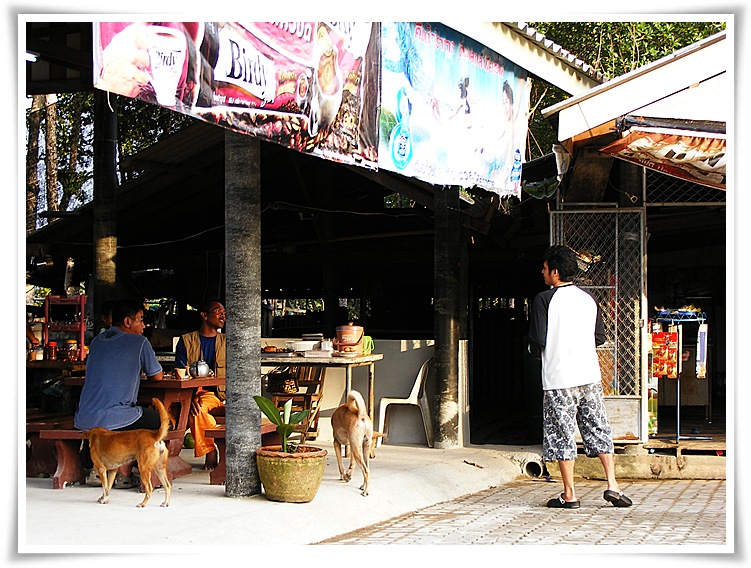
170,391
71,367
349,363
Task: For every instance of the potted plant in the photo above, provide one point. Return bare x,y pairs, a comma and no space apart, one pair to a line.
289,472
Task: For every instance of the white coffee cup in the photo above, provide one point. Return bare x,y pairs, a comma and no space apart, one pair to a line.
167,50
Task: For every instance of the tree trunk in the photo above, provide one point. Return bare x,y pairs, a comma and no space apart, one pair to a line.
32,159
75,130
242,189
50,154
70,184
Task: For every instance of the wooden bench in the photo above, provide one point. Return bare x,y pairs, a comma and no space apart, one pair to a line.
40,457
269,437
67,447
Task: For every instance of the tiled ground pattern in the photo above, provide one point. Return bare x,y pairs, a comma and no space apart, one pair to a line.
669,512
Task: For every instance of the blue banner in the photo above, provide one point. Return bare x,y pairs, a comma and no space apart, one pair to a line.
453,112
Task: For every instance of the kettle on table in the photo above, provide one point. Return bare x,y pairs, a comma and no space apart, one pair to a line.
199,368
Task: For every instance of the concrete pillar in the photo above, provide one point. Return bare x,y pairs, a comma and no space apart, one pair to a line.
104,199
447,319
242,190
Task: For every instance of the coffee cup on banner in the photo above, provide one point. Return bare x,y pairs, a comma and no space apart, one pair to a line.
167,51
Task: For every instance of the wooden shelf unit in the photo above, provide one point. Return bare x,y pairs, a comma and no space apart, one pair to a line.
77,326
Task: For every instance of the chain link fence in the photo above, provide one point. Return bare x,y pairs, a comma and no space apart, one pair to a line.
668,190
609,246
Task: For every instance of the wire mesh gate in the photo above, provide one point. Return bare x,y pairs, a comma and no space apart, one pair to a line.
609,245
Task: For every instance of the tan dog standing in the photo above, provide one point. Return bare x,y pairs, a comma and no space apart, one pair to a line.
110,450
352,427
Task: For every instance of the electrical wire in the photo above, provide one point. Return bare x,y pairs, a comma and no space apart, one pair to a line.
168,242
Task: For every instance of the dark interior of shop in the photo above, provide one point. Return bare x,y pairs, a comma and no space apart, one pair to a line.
327,233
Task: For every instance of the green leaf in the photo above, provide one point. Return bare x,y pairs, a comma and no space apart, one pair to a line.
298,417
285,430
268,408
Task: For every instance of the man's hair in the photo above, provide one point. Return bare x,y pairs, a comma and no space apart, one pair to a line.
210,302
108,306
125,309
563,259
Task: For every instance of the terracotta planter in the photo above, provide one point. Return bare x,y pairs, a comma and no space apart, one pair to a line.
291,478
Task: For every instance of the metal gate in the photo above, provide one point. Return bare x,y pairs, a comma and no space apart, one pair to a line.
610,247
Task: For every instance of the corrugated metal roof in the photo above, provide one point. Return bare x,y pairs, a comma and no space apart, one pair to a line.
556,50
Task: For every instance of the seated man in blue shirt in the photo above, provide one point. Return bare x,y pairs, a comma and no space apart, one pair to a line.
117,356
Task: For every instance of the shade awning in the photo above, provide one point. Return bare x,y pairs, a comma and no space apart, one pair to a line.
690,150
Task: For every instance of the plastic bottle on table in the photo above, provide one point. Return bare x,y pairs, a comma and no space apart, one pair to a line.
52,350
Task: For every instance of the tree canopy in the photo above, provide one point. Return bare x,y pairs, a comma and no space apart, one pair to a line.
612,49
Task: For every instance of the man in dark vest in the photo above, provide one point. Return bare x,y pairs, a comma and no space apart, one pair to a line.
210,345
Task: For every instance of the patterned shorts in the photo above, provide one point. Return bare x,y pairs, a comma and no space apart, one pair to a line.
564,410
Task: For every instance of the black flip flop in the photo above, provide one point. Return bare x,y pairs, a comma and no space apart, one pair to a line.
559,503
616,498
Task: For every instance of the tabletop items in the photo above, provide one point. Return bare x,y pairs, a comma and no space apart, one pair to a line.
350,341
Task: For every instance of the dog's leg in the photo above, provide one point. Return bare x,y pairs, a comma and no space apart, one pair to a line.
107,478
357,456
366,444
338,452
148,487
351,467
352,457
161,472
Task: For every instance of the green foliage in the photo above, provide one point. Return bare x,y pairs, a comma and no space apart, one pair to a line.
141,124
73,109
285,420
72,183
396,201
611,48
615,48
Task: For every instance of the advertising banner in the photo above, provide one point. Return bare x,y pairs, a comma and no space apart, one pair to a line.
688,156
453,112
299,84
701,351
665,354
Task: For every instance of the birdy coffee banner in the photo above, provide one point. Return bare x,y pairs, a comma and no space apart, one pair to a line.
298,84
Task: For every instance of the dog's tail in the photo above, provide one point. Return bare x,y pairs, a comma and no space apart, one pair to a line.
356,404
163,416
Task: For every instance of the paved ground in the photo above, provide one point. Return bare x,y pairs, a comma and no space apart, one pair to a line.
664,513
419,496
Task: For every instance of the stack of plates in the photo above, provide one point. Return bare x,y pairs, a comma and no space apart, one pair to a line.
302,345
317,353
346,353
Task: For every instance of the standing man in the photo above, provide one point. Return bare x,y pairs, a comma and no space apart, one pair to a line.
564,331
117,356
210,345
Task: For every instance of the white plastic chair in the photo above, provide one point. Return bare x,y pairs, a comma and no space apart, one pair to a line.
418,398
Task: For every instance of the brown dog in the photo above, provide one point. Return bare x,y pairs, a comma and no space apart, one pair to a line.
352,427
110,450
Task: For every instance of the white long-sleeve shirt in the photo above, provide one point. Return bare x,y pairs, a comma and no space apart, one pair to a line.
567,326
